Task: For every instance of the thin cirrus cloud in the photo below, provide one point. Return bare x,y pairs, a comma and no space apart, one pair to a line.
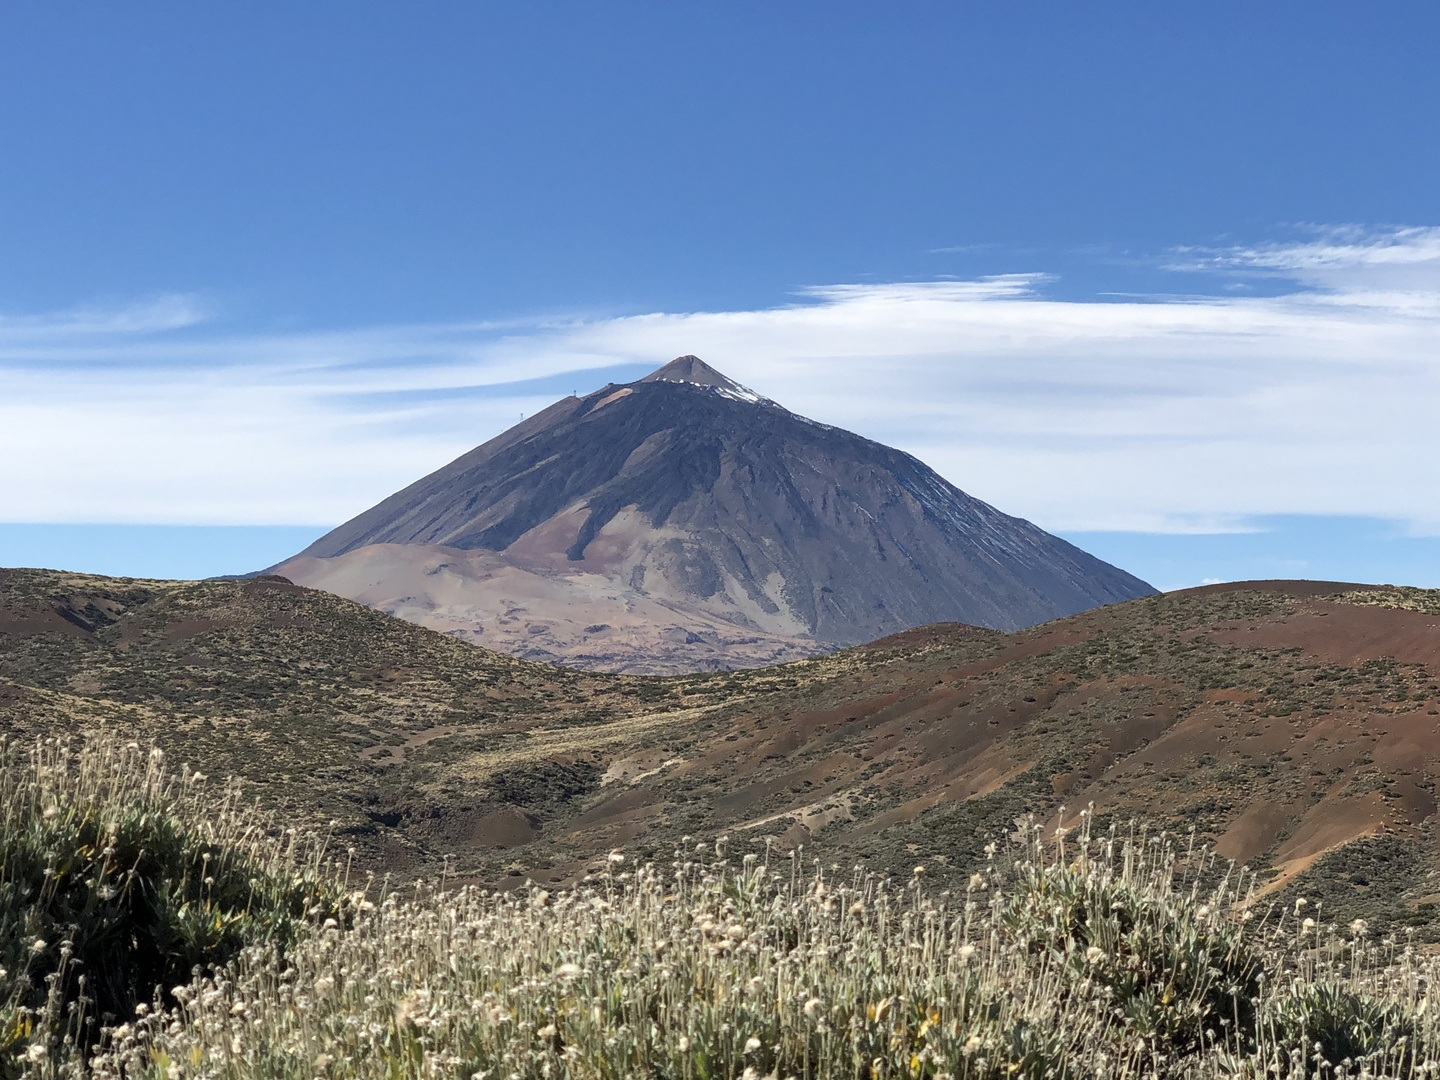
1155,414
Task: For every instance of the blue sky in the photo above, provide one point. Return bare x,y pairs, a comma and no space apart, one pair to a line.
1162,278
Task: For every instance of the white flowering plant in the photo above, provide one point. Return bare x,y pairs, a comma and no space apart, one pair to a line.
1069,957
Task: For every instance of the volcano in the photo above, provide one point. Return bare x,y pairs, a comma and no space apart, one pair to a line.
685,522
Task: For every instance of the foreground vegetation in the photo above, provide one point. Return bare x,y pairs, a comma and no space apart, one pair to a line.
118,875
157,928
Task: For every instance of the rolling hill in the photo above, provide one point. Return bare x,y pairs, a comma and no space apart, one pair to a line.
1294,725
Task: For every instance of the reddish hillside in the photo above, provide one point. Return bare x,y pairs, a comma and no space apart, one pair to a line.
1281,720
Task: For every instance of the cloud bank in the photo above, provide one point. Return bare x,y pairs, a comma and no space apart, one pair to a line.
1153,414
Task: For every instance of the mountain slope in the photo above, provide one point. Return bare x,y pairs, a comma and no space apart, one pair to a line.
580,620
1294,725
692,492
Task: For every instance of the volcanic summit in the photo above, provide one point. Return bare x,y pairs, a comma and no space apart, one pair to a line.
684,522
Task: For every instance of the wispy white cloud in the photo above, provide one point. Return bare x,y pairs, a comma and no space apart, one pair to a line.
963,249
22,334
1348,263
1146,413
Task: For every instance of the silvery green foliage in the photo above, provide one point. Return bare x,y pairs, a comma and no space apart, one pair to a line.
1064,957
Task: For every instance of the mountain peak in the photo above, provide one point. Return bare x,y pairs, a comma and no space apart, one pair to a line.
691,369
699,500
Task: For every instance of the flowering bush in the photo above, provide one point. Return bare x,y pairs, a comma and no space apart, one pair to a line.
1104,960
1174,964
1073,957
118,876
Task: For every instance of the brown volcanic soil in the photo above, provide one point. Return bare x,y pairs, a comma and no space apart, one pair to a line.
1277,721
1294,725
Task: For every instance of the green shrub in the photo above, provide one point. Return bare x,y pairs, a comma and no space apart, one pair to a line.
119,878
1175,964
1340,1025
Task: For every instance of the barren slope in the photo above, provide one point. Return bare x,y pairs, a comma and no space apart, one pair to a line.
584,619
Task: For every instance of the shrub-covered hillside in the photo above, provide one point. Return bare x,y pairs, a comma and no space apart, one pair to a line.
1294,725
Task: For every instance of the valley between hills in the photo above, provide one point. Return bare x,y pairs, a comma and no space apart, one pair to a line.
1293,725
